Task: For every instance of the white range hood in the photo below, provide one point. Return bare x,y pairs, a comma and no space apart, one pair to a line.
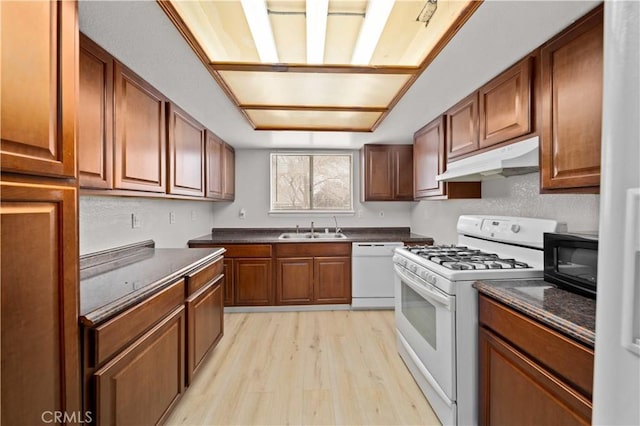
516,159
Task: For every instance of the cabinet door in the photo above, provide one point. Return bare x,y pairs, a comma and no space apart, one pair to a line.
204,324
253,282
227,270
294,281
140,143
505,105
332,279
571,74
378,173
39,288
403,173
214,166
141,384
229,182
515,390
429,159
95,116
462,127
38,75
186,153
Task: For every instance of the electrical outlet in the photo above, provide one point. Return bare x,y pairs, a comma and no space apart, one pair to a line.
194,216
136,222
172,218
381,213
242,214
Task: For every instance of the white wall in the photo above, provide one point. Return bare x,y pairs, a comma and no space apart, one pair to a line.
252,194
105,222
513,196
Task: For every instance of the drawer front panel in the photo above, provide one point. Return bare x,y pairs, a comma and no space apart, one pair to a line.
248,250
313,249
113,335
203,276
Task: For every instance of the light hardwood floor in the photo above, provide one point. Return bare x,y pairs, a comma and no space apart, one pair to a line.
311,368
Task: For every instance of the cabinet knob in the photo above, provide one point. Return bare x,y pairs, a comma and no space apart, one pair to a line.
515,228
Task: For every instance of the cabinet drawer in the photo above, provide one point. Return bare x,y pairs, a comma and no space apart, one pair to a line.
566,358
202,276
116,333
248,250
313,249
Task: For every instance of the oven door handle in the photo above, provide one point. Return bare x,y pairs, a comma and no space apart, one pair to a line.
427,291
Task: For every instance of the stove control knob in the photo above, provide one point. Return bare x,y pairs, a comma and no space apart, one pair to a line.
424,274
431,279
413,268
515,228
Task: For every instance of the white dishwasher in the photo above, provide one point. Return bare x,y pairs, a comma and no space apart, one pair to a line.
372,275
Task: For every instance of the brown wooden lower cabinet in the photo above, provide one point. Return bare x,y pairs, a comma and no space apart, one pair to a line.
530,374
204,324
227,284
332,280
141,384
313,273
39,287
294,281
252,284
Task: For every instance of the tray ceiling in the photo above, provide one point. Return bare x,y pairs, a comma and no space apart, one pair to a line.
300,83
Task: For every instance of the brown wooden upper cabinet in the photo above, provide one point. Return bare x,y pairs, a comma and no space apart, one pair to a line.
214,162
571,73
498,112
429,160
38,102
140,142
387,172
220,168
462,127
229,167
186,163
95,116
505,105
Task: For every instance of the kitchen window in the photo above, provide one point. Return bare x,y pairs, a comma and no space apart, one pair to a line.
311,183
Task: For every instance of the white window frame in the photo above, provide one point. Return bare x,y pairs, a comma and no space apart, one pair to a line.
311,212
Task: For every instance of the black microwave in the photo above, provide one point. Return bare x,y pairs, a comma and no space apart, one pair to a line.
571,262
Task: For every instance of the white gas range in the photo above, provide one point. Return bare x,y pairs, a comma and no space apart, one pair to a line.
436,306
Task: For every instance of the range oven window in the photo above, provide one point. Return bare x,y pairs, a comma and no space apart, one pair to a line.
577,262
420,313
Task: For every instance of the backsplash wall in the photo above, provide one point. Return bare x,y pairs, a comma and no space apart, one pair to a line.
513,196
105,222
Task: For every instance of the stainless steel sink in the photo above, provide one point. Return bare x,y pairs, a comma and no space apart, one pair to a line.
310,236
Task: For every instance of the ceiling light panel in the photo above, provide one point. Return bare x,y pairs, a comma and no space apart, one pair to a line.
375,19
316,14
289,28
260,26
406,41
220,28
314,89
313,120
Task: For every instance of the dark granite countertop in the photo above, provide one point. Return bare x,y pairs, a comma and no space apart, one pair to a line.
110,283
270,236
568,313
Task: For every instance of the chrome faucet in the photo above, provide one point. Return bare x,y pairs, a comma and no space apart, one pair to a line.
297,229
337,229
311,229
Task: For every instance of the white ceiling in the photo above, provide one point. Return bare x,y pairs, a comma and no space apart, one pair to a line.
140,35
